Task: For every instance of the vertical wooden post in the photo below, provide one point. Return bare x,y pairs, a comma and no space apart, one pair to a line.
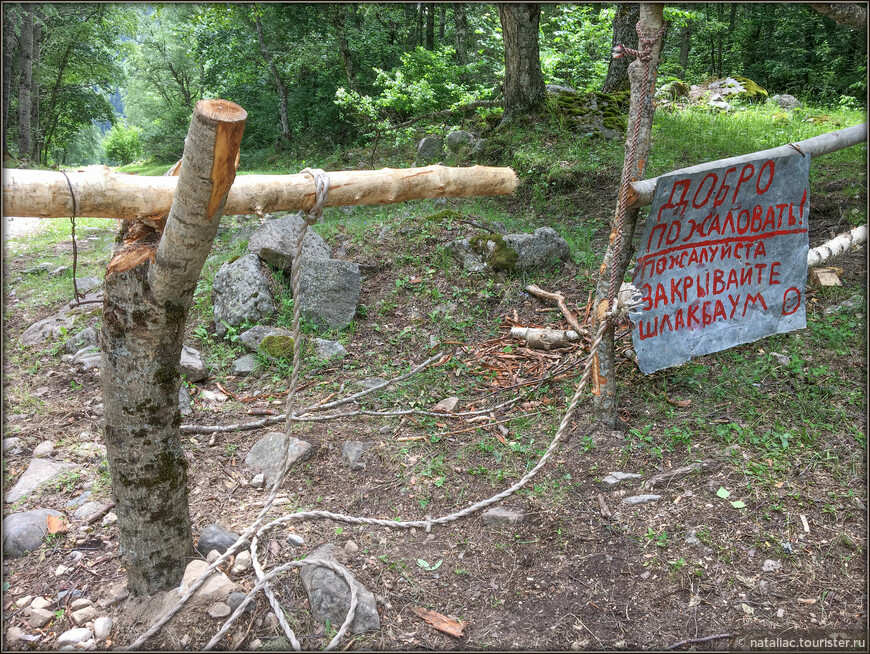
640,114
149,287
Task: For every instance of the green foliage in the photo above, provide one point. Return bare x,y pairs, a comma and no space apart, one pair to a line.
122,145
576,50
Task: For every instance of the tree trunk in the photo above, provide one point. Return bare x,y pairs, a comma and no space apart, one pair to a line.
616,261
850,14
624,32
430,26
279,83
149,288
420,11
36,139
524,90
8,53
339,21
442,21
685,48
460,32
25,81
105,194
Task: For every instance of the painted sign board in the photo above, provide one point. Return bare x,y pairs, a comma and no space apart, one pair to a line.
723,260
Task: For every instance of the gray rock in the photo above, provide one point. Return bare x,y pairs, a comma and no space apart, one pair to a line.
560,90
216,588
245,365
80,602
460,250
86,614
329,595
786,101
295,540
351,454
88,284
275,242
253,337
241,293
235,601
48,329
219,610
38,618
76,502
265,455
640,499
43,449
88,509
88,337
328,349
371,382
103,627
460,140
40,471
13,637
693,540
242,563
60,271
43,267
541,249
501,516
74,636
258,481
88,358
770,565
615,477
215,537
12,446
184,400
329,291
23,532
192,365
429,150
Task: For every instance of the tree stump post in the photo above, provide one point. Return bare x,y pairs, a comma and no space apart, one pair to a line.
616,260
149,287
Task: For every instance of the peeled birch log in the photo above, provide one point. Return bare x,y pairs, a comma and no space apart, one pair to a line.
838,245
544,339
641,192
101,193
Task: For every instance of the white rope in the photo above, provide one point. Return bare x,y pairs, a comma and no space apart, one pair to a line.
257,531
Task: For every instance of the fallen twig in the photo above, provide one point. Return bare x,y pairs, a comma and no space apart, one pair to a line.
560,300
99,514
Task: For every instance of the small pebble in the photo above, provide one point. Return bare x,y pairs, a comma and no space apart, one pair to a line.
780,613
351,548
102,627
21,602
110,519
293,539
242,563
80,603
213,556
40,603
255,645
219,610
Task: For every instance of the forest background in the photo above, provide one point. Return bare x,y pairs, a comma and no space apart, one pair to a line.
108,83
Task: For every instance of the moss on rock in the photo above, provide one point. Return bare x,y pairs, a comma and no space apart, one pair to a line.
751,91
444,214
495,252
278,346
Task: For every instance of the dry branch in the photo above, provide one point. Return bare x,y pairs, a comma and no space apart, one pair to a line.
544,339
102,193
838,245
559,299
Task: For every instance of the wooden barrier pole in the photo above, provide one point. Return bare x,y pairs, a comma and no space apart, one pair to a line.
641,192
102,193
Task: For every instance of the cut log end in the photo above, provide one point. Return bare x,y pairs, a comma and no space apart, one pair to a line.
140,242
222,111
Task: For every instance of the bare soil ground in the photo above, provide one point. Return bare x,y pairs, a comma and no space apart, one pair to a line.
581,573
